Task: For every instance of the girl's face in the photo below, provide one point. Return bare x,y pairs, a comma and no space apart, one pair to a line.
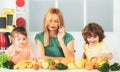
53,23
93,39
20,40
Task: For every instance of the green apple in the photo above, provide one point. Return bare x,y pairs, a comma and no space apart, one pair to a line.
51,62
71,66
45,65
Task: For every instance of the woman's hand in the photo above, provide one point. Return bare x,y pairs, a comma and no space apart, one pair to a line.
61,33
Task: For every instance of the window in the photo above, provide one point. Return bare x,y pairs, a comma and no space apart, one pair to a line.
76,13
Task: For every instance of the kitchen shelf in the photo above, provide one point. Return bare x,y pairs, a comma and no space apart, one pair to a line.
5,31
20,12
1,51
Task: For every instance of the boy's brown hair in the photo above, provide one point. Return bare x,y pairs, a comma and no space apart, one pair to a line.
94,28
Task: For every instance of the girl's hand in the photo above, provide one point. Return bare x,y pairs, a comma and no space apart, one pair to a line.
32,58
16,51
61,33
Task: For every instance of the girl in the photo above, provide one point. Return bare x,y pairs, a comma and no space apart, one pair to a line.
94,46
20,49
54,42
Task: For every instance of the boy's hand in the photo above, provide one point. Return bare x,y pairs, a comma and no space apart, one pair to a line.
105,55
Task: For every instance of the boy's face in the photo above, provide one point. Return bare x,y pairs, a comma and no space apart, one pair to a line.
53,22
93,39
20,40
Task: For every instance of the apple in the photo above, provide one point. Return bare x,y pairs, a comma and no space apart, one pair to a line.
51,62
45,65
71,66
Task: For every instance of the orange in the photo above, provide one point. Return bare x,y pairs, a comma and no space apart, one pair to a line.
64,61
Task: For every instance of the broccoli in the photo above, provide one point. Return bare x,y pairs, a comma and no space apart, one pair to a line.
105,67
115,67
8,65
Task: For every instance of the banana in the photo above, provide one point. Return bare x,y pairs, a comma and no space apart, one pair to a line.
28,61
21,62
24,64
100,62
15,67
29,65
18,64
33,62
80,63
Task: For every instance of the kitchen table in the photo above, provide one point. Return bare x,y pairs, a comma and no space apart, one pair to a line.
47,70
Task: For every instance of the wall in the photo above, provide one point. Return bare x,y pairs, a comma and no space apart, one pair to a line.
112,38
7,4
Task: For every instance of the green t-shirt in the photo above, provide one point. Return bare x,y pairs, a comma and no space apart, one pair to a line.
54,49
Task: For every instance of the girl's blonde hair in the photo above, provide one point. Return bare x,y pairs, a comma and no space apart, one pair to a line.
16,31
47,16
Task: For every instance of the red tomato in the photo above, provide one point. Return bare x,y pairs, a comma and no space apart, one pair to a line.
20,21
20,3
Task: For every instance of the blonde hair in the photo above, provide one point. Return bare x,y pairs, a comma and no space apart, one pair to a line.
16,31
47,16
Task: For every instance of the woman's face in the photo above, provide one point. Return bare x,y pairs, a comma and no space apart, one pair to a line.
93,39
53,23
20,40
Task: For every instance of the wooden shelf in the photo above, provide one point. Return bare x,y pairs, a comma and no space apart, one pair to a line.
5,30
20,12
1,51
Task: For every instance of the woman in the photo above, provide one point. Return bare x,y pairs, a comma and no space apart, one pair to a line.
54,42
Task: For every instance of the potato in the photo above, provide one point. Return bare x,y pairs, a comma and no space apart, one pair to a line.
52,67
35,66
